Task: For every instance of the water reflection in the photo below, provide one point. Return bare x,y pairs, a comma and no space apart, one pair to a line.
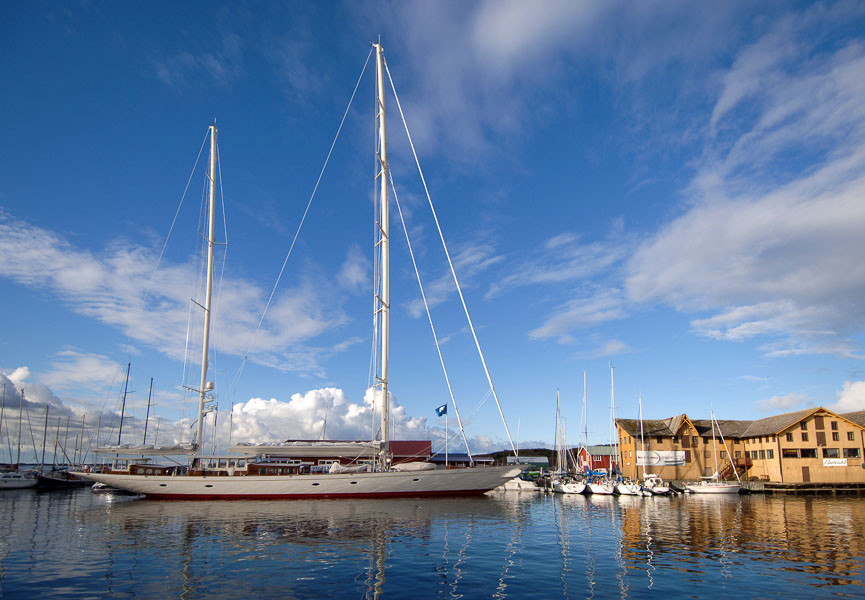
500,546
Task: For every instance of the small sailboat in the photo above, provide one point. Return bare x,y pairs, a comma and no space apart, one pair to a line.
652,484
563,482
12,477
713,483
274,477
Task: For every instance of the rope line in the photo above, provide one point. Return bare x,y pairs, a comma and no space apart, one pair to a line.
450,262
299,227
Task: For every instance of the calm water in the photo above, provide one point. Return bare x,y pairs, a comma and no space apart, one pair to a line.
75,544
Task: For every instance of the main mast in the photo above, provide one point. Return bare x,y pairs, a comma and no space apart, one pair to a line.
384,241
211,220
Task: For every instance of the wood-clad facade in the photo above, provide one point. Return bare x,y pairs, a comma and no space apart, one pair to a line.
813,445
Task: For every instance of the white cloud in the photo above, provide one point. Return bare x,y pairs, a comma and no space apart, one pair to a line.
562,259
605,349
782,403
771,243
72,367
851,398
470,261
109,286
581,313
354,275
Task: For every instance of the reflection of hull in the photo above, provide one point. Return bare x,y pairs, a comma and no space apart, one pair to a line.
451,482
714,488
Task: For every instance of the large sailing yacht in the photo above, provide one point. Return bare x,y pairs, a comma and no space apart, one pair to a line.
276,476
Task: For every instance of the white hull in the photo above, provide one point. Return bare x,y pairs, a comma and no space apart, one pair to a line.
628,489
606,489
519,485
570,487
714,488
448,482
17,484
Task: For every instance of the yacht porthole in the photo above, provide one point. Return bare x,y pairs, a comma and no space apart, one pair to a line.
354,483
315,484
163,485
415,479
208,485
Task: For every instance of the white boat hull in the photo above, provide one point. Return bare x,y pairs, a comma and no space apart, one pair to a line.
450,482
570,487
606,489
628,489
17,484
714,488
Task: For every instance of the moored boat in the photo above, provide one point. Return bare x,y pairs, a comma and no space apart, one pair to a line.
17,480
263,477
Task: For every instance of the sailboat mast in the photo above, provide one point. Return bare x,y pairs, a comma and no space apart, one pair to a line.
642,437
384,225
211,221
589,464
147,416
44,439
20,419
714,446
122,406
613,414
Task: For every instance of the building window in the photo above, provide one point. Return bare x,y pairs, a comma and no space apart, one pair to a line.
770,454
789,437
723,455
753,454
831,453
675,439
834,425
790,453
851,437
762,455
851,452
804,437
808,453
803,426
695,440
835,436
738,454
773,437
659,439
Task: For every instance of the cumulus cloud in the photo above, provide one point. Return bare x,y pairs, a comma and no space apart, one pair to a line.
851,398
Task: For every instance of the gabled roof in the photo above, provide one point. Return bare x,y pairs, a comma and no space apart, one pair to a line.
777,423
650,427
732,429
856,417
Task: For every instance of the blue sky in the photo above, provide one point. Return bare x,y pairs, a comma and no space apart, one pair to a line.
674,187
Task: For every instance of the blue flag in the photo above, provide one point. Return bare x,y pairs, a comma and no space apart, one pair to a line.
442,410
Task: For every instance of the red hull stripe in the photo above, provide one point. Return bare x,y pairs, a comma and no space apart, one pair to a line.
312,496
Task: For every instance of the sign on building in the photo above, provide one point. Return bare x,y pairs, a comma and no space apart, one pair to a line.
834,462
661,458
